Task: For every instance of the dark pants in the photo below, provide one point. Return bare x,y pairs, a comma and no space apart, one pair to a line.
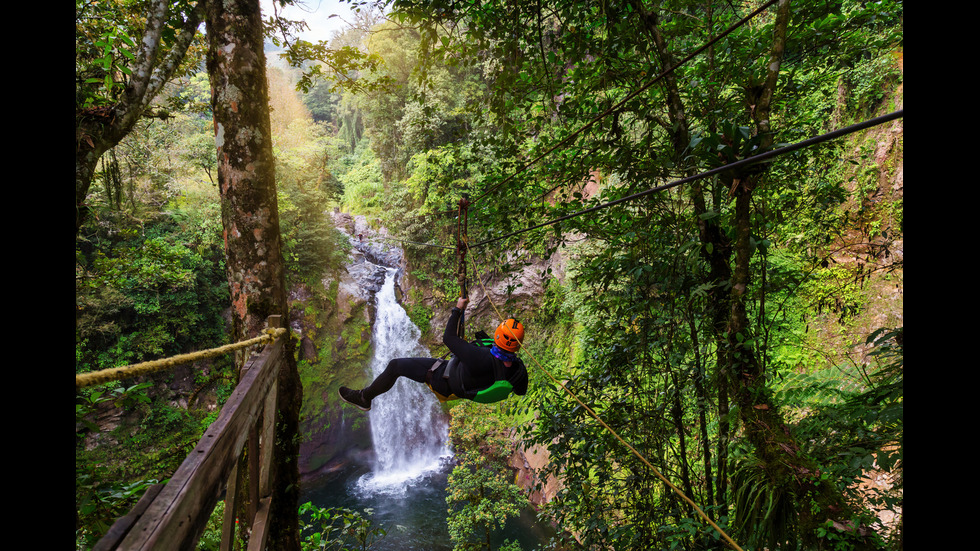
415,369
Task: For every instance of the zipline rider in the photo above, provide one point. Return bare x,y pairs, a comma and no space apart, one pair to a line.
475,372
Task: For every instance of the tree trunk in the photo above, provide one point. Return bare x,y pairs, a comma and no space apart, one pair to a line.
716,247
250,217
762,421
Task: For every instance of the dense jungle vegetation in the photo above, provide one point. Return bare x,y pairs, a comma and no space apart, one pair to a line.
743,332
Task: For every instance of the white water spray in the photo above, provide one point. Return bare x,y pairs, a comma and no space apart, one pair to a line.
408,429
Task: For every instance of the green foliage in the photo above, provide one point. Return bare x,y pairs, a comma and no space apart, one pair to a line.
312,246
418,312
343,61
211,538
321,529
437,180
104,51
147,295
818,389
337,529
766,511
150,283
864,432
117,49
100,504
363,185
480,496
107,40
195,97
149,444
654,350
451,101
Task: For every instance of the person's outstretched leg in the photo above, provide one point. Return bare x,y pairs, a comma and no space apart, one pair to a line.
413,368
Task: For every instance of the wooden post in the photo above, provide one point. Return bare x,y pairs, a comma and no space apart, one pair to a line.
231,506
268,439
264,435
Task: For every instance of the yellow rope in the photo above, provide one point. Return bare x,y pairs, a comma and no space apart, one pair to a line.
125,372
603,423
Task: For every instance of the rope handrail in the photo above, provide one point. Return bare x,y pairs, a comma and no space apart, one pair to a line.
129,371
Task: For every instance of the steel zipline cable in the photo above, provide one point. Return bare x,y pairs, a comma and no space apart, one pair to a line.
748,161
628,97
612,109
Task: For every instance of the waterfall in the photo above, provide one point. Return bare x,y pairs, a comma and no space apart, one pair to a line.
408,428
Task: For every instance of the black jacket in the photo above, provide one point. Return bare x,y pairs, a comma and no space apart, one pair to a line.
473,368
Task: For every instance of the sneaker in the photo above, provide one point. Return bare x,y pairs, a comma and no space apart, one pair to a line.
355,397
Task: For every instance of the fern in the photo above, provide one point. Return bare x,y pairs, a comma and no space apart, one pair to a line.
765,512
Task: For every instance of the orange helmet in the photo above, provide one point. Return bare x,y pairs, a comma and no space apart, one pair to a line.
509,335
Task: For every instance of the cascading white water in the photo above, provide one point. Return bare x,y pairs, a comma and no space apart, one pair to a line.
408,429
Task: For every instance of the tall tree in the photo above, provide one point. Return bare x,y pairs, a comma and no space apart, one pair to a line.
764,425
250,216
111,94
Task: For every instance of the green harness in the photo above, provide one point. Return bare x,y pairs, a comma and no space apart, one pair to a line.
496,392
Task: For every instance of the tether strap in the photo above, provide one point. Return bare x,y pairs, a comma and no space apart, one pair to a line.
432,370
461,244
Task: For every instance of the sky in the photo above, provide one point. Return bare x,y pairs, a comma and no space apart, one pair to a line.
316,13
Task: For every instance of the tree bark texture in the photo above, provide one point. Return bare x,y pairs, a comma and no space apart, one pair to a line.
250,217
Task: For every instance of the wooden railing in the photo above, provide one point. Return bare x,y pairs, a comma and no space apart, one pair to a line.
173,516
